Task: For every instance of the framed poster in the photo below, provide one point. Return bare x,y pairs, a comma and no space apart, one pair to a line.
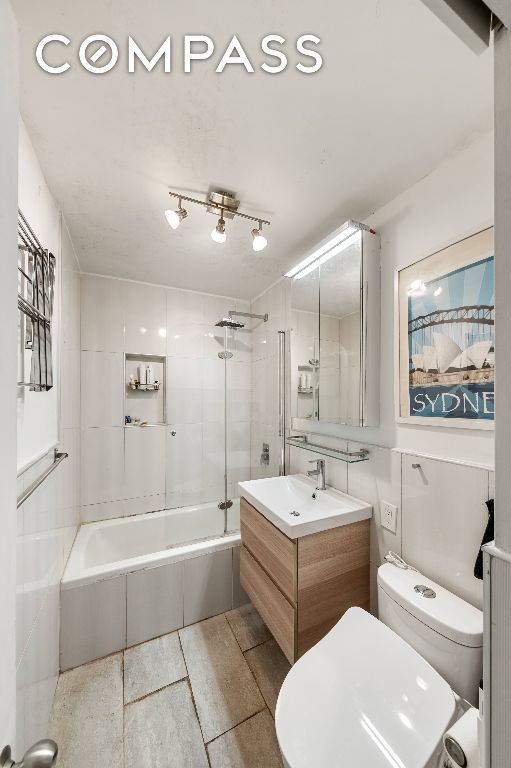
446,336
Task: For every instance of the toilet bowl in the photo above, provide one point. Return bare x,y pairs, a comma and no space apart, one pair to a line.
382,693
363,697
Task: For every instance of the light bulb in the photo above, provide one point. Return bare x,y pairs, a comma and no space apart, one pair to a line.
259,241
175,218
218,234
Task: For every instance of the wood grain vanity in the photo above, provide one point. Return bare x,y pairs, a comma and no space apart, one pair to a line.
302,587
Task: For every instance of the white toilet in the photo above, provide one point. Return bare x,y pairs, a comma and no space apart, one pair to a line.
364,697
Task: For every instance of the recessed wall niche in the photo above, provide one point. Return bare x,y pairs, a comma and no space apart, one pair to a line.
144,398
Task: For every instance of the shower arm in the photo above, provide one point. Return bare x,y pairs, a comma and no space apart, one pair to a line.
264,318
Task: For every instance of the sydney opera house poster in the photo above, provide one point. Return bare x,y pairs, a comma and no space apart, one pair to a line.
447,325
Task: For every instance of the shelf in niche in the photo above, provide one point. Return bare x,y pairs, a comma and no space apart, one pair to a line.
145,404
350,457
305,390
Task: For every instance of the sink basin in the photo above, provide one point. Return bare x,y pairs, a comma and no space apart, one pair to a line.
295,507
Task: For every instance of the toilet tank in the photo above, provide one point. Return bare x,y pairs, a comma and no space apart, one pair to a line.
446,630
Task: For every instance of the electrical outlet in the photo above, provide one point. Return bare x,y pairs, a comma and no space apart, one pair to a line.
388,516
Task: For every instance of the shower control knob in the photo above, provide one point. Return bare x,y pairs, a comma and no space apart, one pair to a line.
173,433
42,754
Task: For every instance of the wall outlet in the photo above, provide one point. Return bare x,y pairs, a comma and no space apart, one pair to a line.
388,516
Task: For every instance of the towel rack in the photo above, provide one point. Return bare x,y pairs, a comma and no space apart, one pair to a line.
36,288
58,458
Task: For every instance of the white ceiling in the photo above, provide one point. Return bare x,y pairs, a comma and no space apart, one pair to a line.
398,93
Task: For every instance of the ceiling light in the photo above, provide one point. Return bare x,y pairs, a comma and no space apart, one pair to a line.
334,252
175,218
219,202
259,242
218,234
347,229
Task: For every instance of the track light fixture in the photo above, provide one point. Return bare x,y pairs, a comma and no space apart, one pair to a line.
175,218
259,241
222,204
218,234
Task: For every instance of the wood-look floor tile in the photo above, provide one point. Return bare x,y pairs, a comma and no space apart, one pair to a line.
253,744
87,716
248,627
270,667
152,665
223,687
162,731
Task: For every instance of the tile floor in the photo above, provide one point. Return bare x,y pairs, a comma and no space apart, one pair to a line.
202,697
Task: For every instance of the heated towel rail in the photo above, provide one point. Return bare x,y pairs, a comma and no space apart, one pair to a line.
58,458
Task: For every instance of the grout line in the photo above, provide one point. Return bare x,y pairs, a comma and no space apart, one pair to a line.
157,690
246,719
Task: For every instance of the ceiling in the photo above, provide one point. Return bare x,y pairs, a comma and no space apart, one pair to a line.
398,92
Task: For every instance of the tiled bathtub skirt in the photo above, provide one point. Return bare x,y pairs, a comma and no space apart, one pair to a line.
110,615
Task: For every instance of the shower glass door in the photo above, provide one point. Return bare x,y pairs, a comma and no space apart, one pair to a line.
237,404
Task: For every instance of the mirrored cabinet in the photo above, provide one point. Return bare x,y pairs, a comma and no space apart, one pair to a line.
335,335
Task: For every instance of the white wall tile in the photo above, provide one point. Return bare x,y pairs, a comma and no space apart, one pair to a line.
102,389
185,340
145,312
144,461
102,310
102,462
377,480
183,308
155,602
185,390
184,465
207,586
444,517
93,621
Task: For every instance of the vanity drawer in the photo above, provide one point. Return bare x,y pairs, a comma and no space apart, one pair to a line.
277,613
271,548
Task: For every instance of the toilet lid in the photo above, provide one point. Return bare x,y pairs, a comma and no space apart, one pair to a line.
362,698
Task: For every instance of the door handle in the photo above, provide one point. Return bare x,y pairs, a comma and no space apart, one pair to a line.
42,754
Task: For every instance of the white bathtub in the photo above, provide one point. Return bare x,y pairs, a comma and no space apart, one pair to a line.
109,548
132,579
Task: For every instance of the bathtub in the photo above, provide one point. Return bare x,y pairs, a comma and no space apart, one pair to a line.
129,580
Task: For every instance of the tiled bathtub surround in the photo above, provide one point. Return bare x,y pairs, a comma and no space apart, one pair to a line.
112,614
441,510
130,470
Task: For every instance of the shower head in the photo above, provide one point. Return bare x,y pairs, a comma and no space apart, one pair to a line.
227,322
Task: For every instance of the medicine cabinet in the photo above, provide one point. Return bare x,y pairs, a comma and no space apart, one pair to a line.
335,336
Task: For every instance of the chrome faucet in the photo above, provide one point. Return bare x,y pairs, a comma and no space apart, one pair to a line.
319,472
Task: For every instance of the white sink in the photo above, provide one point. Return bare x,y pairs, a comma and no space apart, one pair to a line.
293,505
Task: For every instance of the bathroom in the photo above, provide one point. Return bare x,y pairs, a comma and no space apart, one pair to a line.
251,453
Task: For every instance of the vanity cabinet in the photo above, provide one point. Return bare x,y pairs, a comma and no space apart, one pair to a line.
301,587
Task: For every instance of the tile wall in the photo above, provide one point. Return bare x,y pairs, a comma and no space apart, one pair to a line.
47,525
441,510
275,302
131,470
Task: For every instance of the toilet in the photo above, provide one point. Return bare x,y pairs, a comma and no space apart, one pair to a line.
363,696
446,630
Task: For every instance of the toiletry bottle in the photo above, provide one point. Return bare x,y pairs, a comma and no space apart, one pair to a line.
142,374
149,375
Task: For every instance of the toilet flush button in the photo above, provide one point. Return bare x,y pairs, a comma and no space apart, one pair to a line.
425,591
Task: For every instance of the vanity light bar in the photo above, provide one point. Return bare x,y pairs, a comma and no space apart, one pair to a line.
348,229
334,252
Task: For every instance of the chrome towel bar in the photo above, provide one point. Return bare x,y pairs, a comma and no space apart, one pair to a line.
58,457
